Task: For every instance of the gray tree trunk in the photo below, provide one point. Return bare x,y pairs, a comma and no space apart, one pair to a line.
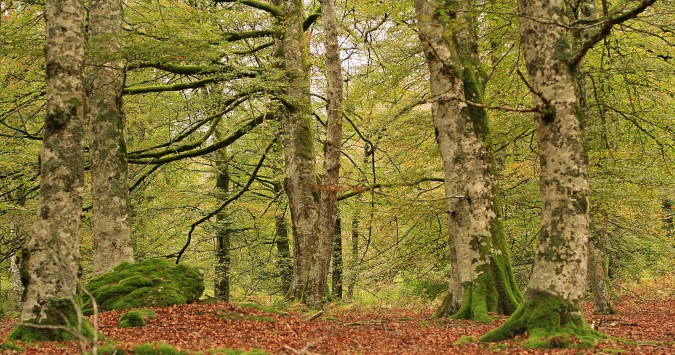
336,276
111,226
552,303
222,268
54,245
298,137
481,280
325,227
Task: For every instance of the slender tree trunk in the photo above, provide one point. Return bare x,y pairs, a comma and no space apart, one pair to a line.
325,227
551,311
221,285
298,137
337,261
482,280
283,249
354,258
53,247
111,226
17,286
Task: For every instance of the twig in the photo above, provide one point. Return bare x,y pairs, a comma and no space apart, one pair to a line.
315,316
547,102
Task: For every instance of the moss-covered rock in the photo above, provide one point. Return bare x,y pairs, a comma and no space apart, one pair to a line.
135,318
60,324
150,283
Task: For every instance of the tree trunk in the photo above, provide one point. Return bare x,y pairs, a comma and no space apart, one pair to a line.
482,280
598,277
337,261
17,286
298,137
221,287
354,258
325,227
551,311
284,251
111,226
54,245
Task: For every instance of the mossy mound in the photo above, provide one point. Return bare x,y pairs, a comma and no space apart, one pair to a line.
150,283
160,348
135,318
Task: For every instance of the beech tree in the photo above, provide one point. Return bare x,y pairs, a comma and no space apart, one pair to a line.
111,227
53,246
482,280
551,310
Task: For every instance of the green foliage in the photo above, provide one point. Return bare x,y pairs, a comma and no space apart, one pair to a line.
260,307
135,318
150,283
9,345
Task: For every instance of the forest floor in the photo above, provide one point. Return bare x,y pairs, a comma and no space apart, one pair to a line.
644,326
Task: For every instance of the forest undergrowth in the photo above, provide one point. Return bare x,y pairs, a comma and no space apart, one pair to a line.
644,324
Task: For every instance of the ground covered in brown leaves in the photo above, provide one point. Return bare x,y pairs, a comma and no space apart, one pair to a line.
646,327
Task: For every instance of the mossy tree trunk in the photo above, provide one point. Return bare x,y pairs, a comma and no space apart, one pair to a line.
53,246
551,311
482,280
111,225
301,186
221,280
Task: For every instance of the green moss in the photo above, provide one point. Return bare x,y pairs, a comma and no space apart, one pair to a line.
465,340
150,283
135,318
9,345
60,324
550,321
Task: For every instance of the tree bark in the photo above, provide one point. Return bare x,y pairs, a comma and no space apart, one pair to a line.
353,265
325,227
482,280
111,227
53,247
337,261
284,251
551,311
221,285
298,138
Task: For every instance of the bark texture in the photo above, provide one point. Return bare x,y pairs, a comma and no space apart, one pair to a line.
325,227
221,287
551,312
482,280
111,226
336,277
298,138
53,247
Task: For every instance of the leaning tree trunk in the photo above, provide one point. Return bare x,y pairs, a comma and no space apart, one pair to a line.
325,227
298,137
482,280
53,247
551,311
111,227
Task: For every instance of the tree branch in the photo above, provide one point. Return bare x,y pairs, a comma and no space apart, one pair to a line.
606,28
226,202
271,9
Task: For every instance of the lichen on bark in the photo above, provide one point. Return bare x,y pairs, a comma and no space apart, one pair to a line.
482,280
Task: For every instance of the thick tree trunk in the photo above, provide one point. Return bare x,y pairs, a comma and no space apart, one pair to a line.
111,226
298,137
325,227
53,247
221,287
337,261
482,280
551,311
